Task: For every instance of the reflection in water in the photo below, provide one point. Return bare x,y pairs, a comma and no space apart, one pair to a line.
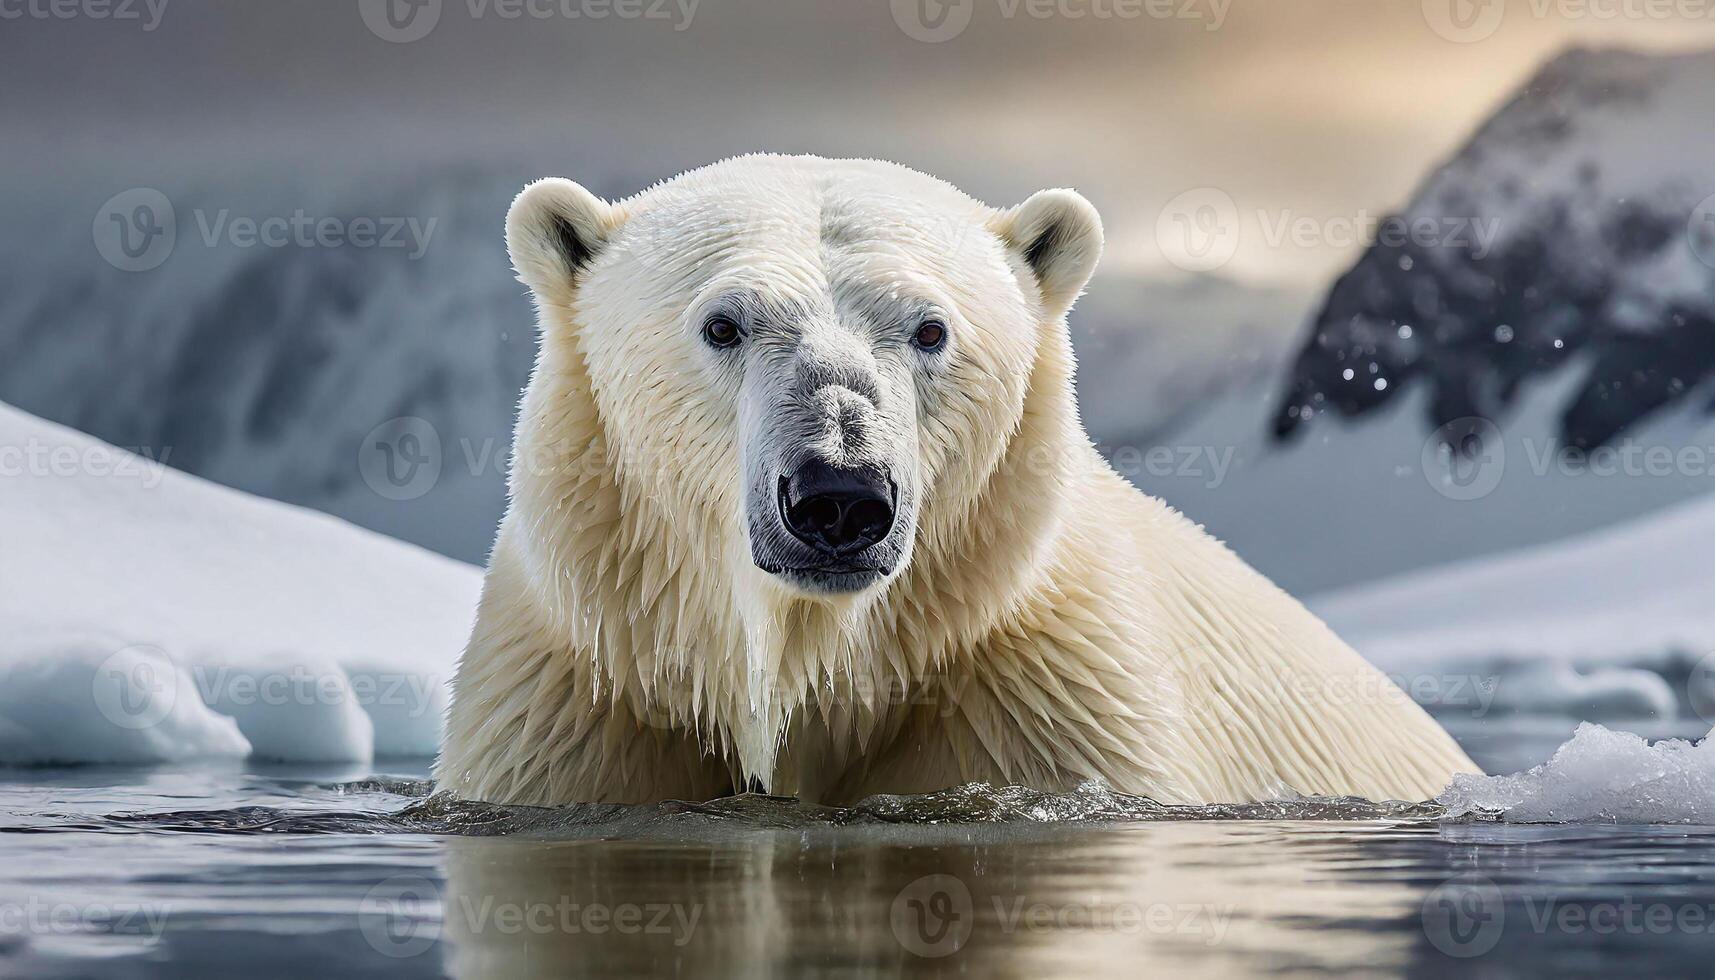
1195,898
281,875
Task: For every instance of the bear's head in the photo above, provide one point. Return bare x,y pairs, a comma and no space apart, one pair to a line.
806,368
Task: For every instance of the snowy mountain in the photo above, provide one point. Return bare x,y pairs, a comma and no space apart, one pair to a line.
151,616
267,369
1153,352
1576,229
1569,304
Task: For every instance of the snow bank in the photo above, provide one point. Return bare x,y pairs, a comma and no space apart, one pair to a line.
1613,624
1600,776
1634,589
152,616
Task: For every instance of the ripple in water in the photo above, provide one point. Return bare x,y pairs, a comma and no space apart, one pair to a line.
975,804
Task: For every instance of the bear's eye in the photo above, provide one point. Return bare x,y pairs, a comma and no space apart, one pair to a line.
930,336
721,331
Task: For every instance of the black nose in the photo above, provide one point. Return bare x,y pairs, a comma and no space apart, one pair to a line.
837,511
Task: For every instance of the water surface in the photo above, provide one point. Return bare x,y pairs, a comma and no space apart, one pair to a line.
299,872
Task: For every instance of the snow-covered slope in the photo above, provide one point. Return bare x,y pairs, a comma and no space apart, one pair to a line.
1594,190
1637,591
1614,624
1356,500
148,615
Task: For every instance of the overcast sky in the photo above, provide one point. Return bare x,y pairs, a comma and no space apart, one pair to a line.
1292,108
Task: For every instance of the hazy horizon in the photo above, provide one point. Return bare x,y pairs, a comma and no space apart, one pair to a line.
1134,107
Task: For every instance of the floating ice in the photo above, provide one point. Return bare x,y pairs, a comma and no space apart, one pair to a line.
1599,776
150,616
60,694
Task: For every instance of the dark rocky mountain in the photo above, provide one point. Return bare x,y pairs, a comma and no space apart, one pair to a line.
1575,229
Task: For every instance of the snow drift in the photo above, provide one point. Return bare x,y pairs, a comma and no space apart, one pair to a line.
1612,625
151,616
1633,592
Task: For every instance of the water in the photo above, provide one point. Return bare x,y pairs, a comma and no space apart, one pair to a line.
264,872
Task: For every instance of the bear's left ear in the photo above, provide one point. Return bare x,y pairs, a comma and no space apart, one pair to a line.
1059,235
553,230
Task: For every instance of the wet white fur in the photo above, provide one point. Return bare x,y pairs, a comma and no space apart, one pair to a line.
1051,624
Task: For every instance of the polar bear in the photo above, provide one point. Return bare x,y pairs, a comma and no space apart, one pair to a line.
801,503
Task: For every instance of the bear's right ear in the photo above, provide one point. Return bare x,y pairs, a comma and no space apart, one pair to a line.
553,230
1058,234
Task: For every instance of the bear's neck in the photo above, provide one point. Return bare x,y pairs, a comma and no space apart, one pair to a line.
679,625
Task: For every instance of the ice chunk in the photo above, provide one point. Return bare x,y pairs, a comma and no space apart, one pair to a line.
1599,776
92,697
150,616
